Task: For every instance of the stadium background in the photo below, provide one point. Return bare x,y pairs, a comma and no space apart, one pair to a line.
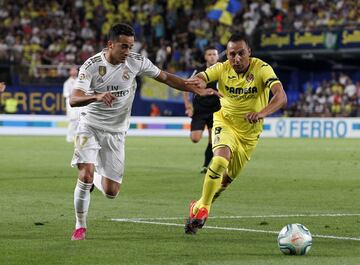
314,50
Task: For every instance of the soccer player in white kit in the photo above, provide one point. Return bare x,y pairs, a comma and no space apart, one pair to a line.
73,114
106,85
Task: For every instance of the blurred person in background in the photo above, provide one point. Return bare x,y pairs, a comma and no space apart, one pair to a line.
201,109
73,114
154,110
2,87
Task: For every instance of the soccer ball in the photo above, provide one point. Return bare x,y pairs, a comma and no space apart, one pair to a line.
294,239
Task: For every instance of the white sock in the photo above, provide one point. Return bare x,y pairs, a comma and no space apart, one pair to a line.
81,202
98,182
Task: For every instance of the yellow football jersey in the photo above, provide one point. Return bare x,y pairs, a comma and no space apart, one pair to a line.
243,93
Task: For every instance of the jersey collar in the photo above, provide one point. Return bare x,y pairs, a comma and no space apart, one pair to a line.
103,52
247,69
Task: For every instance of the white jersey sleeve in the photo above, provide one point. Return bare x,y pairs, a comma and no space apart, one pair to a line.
85,76
148,68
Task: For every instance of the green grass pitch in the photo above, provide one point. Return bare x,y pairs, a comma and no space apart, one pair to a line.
286,177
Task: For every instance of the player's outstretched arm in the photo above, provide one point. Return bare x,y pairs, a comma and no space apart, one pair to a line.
78,98
278,100
198,88
199,81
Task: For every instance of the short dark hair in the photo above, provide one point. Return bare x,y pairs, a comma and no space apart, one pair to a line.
239,37
120,29
209,48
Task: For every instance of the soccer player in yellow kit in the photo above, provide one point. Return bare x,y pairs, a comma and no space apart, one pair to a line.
244,83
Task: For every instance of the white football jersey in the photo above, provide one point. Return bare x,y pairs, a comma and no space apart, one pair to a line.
98,75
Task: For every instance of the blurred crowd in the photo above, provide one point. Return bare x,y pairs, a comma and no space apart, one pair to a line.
49,36
338,97
298,15
171,33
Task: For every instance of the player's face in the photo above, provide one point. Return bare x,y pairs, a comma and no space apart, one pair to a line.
238,53
211,57
73,71
120,48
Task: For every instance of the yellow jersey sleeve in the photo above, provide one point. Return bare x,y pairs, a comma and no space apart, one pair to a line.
268,76
213,72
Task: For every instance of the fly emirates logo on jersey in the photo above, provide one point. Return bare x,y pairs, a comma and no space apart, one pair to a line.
117,91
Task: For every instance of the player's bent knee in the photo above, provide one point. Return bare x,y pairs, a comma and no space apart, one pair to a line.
86,173
112,190
195,140
111,195
195,136
87,177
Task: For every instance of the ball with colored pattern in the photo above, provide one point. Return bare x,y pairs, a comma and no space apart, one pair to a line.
295,239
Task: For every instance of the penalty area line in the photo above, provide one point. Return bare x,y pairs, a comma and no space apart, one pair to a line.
126,220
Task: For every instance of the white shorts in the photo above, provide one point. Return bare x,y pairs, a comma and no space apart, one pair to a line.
103,149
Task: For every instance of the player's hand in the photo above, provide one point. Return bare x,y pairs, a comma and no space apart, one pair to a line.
254,117
198,86
207,92
195,82
107,98
2,87
189,110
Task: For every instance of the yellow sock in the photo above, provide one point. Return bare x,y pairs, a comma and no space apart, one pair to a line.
212,182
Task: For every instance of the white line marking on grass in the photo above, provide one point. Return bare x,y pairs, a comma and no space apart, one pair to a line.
126,220
338,237
289,215
254,216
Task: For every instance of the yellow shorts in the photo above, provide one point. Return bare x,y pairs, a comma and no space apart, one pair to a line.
224,133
